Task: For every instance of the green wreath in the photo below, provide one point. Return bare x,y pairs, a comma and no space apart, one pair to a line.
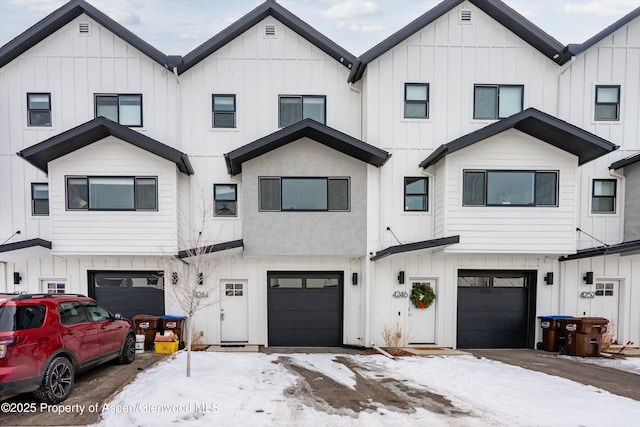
422,296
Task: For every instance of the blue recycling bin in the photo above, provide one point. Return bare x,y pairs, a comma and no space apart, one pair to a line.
552,335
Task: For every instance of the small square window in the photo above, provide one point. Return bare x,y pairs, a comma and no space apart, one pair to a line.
39,109
416,100
497,101
225,197
607,103
40,199
603,196
224,111
54,287
416,194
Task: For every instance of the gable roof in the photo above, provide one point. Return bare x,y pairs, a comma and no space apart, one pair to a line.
310,129
87,133
586,146
575,49
62,16
496,9
269,7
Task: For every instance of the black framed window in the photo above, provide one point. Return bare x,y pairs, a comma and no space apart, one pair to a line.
603,196
225,199
224,111
125,109
304,194
294,108
40,198
38,109
416,192
416,100
607,103
510,188
492,102
125,193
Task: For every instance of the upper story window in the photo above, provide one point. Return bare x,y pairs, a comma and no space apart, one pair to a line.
492,102
39,109
510,188
416,194
607,103
225,198
224,111
296,108
125,109
603,196
112,193
416,100
40,199
304,194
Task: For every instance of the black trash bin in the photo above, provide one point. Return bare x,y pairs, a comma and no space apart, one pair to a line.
552,336
583,335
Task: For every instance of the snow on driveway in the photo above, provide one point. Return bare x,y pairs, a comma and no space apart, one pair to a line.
258,389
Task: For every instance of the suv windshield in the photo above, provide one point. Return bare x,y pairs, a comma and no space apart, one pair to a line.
14,318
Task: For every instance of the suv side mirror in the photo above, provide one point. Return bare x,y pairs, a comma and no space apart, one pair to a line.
117,316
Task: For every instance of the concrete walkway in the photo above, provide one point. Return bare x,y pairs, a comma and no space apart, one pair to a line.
613,380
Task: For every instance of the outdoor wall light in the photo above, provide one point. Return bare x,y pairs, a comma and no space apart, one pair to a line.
549,278
588,278
16,278
354,279
401,277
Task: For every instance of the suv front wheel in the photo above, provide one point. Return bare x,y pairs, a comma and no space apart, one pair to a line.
57,381
128,353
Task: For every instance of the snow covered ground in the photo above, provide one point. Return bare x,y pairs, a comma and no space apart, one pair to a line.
257,389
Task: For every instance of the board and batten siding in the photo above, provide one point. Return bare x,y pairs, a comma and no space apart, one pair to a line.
505,229
109,232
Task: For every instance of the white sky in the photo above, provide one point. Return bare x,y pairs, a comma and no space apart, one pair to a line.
177,27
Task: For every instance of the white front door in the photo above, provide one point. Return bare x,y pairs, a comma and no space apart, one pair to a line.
233,312
605,303
421,322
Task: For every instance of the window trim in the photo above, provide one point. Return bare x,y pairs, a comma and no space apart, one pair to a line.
425,194
614,197
214,112
235,199
49,110
326,178
135,198
596,103
485,195
117,96
497,112
414,102
302,98
33,199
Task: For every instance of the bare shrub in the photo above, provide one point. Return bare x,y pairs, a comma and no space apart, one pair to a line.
393,336
608,337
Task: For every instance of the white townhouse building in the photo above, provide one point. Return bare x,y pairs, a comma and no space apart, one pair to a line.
469,152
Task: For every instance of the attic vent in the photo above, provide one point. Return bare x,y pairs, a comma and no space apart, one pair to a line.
269,30
465,16
84,28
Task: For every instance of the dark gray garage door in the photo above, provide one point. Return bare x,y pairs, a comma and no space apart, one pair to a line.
305,308
128,292
495,309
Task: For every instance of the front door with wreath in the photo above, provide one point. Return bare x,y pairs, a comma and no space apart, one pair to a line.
421,321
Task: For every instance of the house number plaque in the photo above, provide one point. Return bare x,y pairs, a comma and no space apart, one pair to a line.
400,294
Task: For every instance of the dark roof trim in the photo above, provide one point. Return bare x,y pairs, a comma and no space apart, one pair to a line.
188,253
503,14
620,248
586,146
25,244
62,16
310,129
87,133
575,49
269,7
625,162
416,246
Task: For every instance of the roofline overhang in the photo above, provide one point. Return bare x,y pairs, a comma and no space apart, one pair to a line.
577,48
620,248
625,162
9,251
415,246
204,250
311,129
39,155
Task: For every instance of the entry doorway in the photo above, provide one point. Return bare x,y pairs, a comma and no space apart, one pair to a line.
234,311
421,322
605,303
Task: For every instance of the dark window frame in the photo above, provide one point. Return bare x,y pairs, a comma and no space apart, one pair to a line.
408,102
486,192
595,196
216,200
302,115
425,194
36,112
34,199
606,104
327,179
117,97
87,178
215,113
496,115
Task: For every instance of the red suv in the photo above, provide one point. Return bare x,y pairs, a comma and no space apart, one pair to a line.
46,339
